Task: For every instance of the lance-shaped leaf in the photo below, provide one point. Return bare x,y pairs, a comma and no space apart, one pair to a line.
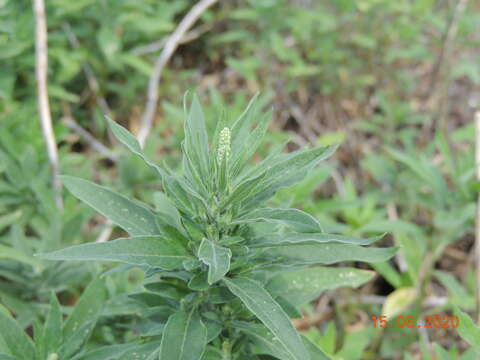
302,286
216,257
184,337
196,138
130,216
332,253
17,341
87,307
152,251
303,239
467,329
52,330
270,313
291,169
294,218
265,342
131,142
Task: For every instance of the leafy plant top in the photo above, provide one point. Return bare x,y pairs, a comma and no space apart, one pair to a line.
217,260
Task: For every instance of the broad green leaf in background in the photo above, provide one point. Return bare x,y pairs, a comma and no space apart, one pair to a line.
134,218
184,337
301,286
261,303
216,257
153,251
294,218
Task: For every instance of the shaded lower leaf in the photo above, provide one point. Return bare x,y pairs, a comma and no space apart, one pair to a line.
184,337
140,250
270,313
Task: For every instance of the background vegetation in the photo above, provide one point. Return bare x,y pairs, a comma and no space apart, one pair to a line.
396,83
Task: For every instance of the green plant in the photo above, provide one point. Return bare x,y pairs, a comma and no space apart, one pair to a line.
224,272
57,339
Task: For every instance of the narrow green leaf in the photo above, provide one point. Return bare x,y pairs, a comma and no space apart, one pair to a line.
52,330
315,352
294,218
468,330
289,239
167,210
87,308
184,337
265,342
332,253
253,141
134,218
216,257
7,252
18,342
152,251
196,138
302,286
261,303
131,142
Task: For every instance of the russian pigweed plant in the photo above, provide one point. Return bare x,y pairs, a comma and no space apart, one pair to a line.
226,272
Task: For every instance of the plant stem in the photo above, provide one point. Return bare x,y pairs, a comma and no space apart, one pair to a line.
226,350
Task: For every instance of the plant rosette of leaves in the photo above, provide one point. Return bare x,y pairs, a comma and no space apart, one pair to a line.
226,272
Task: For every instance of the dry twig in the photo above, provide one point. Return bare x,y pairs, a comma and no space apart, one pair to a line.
41,67
94,143
167,52
477,224
158,45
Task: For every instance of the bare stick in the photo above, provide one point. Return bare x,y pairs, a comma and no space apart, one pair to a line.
94,143
158,45
170,46
448,36
41,66
477,224
106,232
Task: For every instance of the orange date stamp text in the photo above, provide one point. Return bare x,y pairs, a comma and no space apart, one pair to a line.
404,321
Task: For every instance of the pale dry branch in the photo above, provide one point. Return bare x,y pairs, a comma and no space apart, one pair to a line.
41,68
448,37
158,45
94,143
477,222
170,46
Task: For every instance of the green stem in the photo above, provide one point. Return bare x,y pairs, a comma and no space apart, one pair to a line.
226,350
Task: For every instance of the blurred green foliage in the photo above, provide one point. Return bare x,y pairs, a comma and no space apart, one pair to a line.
359,72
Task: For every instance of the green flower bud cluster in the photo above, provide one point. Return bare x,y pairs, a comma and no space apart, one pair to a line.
224,144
